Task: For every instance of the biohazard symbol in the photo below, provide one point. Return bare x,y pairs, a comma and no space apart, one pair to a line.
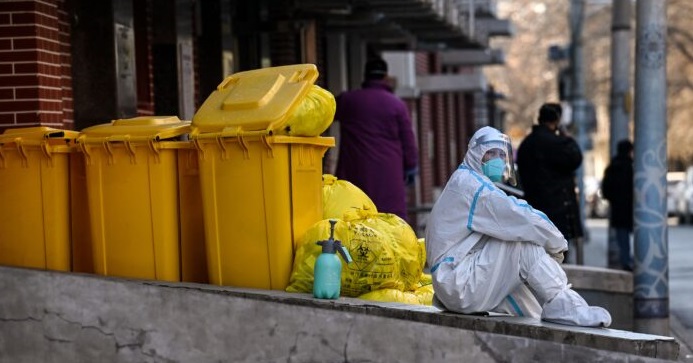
365,255
363,251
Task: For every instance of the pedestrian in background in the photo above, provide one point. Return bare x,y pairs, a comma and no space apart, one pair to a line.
377,147
547,160
617,188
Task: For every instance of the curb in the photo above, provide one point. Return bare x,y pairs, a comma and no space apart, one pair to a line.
685,338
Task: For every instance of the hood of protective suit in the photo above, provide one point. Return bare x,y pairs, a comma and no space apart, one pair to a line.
477,148
485,139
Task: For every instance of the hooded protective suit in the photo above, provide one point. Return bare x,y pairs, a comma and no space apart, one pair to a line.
491,252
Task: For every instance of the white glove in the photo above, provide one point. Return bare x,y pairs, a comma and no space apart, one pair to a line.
558,256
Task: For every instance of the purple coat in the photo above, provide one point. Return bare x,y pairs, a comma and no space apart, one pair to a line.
377,145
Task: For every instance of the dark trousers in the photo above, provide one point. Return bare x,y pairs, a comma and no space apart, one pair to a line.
623,240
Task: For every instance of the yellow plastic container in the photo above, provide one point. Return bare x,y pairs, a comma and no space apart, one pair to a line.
260,192
35,192
260,195
132,175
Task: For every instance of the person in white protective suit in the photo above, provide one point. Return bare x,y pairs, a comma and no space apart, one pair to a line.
488,251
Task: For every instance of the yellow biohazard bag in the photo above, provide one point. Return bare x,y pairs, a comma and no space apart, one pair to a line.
392,295
384,249
340,196
313,115
405,245
374,265
423,295
425,290
422,246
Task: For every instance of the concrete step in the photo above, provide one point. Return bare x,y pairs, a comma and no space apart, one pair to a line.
53,316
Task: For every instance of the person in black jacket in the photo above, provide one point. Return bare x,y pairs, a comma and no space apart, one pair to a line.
617,188
547,160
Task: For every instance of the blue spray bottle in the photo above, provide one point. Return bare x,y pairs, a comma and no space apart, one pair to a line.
328,267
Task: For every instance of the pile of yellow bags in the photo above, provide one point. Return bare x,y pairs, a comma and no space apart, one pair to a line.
388,258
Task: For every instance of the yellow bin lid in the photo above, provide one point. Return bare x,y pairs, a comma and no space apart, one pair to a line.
36,134
260,99
137,128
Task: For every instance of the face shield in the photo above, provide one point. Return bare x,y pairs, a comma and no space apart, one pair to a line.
496,156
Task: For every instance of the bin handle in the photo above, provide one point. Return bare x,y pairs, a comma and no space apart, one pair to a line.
109,151
198,146
85,149
155,149
270,149
243,144
131,150
226,82
222,146
46,148
127,142
22,151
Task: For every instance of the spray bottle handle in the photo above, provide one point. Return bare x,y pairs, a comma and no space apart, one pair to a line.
343,251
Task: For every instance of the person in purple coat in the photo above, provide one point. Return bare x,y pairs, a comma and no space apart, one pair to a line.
377,147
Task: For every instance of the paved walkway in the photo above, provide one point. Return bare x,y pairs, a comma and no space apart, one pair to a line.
680,276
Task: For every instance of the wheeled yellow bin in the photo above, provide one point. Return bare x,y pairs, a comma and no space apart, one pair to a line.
260,191
132,175
35,192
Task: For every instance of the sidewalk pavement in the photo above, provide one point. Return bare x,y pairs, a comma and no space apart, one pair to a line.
679,319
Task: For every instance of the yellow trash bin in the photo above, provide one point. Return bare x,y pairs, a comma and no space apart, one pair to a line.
132,175
260,191
35,192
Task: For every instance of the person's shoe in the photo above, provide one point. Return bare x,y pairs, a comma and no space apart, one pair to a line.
569,308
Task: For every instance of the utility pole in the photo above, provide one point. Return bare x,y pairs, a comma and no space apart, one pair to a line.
620,105
577,16
620,102
651,279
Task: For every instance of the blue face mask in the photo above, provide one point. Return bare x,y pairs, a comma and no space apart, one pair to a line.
493,169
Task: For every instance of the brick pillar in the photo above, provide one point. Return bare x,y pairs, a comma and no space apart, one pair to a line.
463,132
470,123
441,167
35,72
454,157
425,131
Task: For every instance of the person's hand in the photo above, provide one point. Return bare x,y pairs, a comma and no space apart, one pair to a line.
558,256
562,130
410,176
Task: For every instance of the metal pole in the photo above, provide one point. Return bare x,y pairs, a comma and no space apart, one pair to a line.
651,235
620,72
620,95
577,15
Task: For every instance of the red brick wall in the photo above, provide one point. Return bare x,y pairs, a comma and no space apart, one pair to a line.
35,71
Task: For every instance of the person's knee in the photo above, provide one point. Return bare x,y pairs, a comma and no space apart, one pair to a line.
529,255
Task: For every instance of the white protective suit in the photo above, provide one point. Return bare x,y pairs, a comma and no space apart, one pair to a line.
490,252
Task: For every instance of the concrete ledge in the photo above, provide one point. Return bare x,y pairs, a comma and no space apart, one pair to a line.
608,288
599,279
52,316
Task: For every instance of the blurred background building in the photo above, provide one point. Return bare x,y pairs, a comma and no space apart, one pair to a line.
76,63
